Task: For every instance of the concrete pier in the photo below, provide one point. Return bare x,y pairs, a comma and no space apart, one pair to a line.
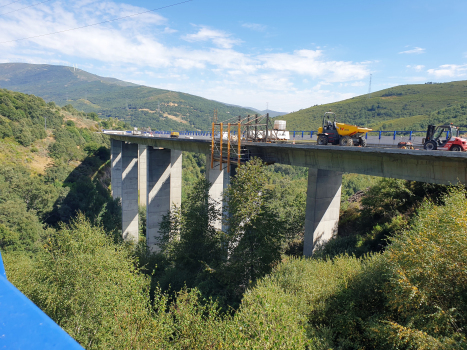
323,202
220,180
164,188
142,171
216,177
116,168
130,191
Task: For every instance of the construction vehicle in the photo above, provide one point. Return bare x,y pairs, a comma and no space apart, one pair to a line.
433,140
340,133
174,134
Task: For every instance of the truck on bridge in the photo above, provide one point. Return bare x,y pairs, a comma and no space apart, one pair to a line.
340,133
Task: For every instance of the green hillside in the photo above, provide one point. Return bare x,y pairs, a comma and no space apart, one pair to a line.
406,107
393,277
138,105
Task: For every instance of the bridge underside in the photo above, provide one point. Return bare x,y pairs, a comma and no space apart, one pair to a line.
157,164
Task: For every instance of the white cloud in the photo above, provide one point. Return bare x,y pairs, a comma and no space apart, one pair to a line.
169,30
255,26
219,38
416,50
418,67
449,71
312,63
137,49
285,99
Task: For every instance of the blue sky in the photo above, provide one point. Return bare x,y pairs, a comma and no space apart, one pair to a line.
290,54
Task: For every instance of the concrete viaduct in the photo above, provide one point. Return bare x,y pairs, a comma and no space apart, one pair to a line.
153,166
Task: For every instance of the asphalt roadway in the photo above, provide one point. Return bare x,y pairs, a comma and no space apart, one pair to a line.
372,141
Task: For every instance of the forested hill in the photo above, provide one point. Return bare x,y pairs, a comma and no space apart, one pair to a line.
49,174
138,105
405,107
393,277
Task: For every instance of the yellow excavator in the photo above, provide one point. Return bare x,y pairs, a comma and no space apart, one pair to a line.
340,134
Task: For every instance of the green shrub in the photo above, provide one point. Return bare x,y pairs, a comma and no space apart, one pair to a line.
427,293
89,286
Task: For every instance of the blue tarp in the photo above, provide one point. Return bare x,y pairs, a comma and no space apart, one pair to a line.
24,326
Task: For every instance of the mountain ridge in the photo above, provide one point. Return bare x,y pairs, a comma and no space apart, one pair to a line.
393,107
137,105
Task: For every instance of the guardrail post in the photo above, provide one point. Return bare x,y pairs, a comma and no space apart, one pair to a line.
395,134
366,136
311,134
380,135
302,134
410,137
294,134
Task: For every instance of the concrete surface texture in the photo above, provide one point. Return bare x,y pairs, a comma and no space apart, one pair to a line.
116,168
130,191
323,202
164,185
326,165
142,163
440,167
176,178
216,177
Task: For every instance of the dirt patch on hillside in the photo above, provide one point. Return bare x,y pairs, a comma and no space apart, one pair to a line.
80,122
147,110
38,164
177,119
166,96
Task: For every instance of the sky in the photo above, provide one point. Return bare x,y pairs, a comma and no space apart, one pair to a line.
284,55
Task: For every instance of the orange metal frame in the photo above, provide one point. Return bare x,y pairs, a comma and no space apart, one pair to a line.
229,145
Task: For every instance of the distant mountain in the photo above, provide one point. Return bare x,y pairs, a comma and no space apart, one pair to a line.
405,107
136,104
272,114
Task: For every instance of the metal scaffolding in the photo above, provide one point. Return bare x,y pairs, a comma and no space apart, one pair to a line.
229,137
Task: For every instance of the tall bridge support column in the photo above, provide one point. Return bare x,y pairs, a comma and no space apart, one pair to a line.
130,192
142,174
216,177
164,188
322,208
116,168
220,180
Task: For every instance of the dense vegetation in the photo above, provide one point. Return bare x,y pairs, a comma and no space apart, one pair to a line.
393,278
405,107
138,105
48,176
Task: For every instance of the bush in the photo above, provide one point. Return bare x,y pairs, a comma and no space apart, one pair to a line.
89,286
427,293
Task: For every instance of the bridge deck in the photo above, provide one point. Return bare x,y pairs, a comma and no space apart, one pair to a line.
440,167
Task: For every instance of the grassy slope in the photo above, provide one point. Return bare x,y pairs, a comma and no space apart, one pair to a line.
386,109
109,97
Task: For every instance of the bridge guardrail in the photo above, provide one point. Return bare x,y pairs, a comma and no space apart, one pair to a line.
301,133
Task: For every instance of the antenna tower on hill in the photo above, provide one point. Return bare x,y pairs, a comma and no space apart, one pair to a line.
369,87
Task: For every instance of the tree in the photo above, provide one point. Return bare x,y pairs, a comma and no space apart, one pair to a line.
189,239
254,232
